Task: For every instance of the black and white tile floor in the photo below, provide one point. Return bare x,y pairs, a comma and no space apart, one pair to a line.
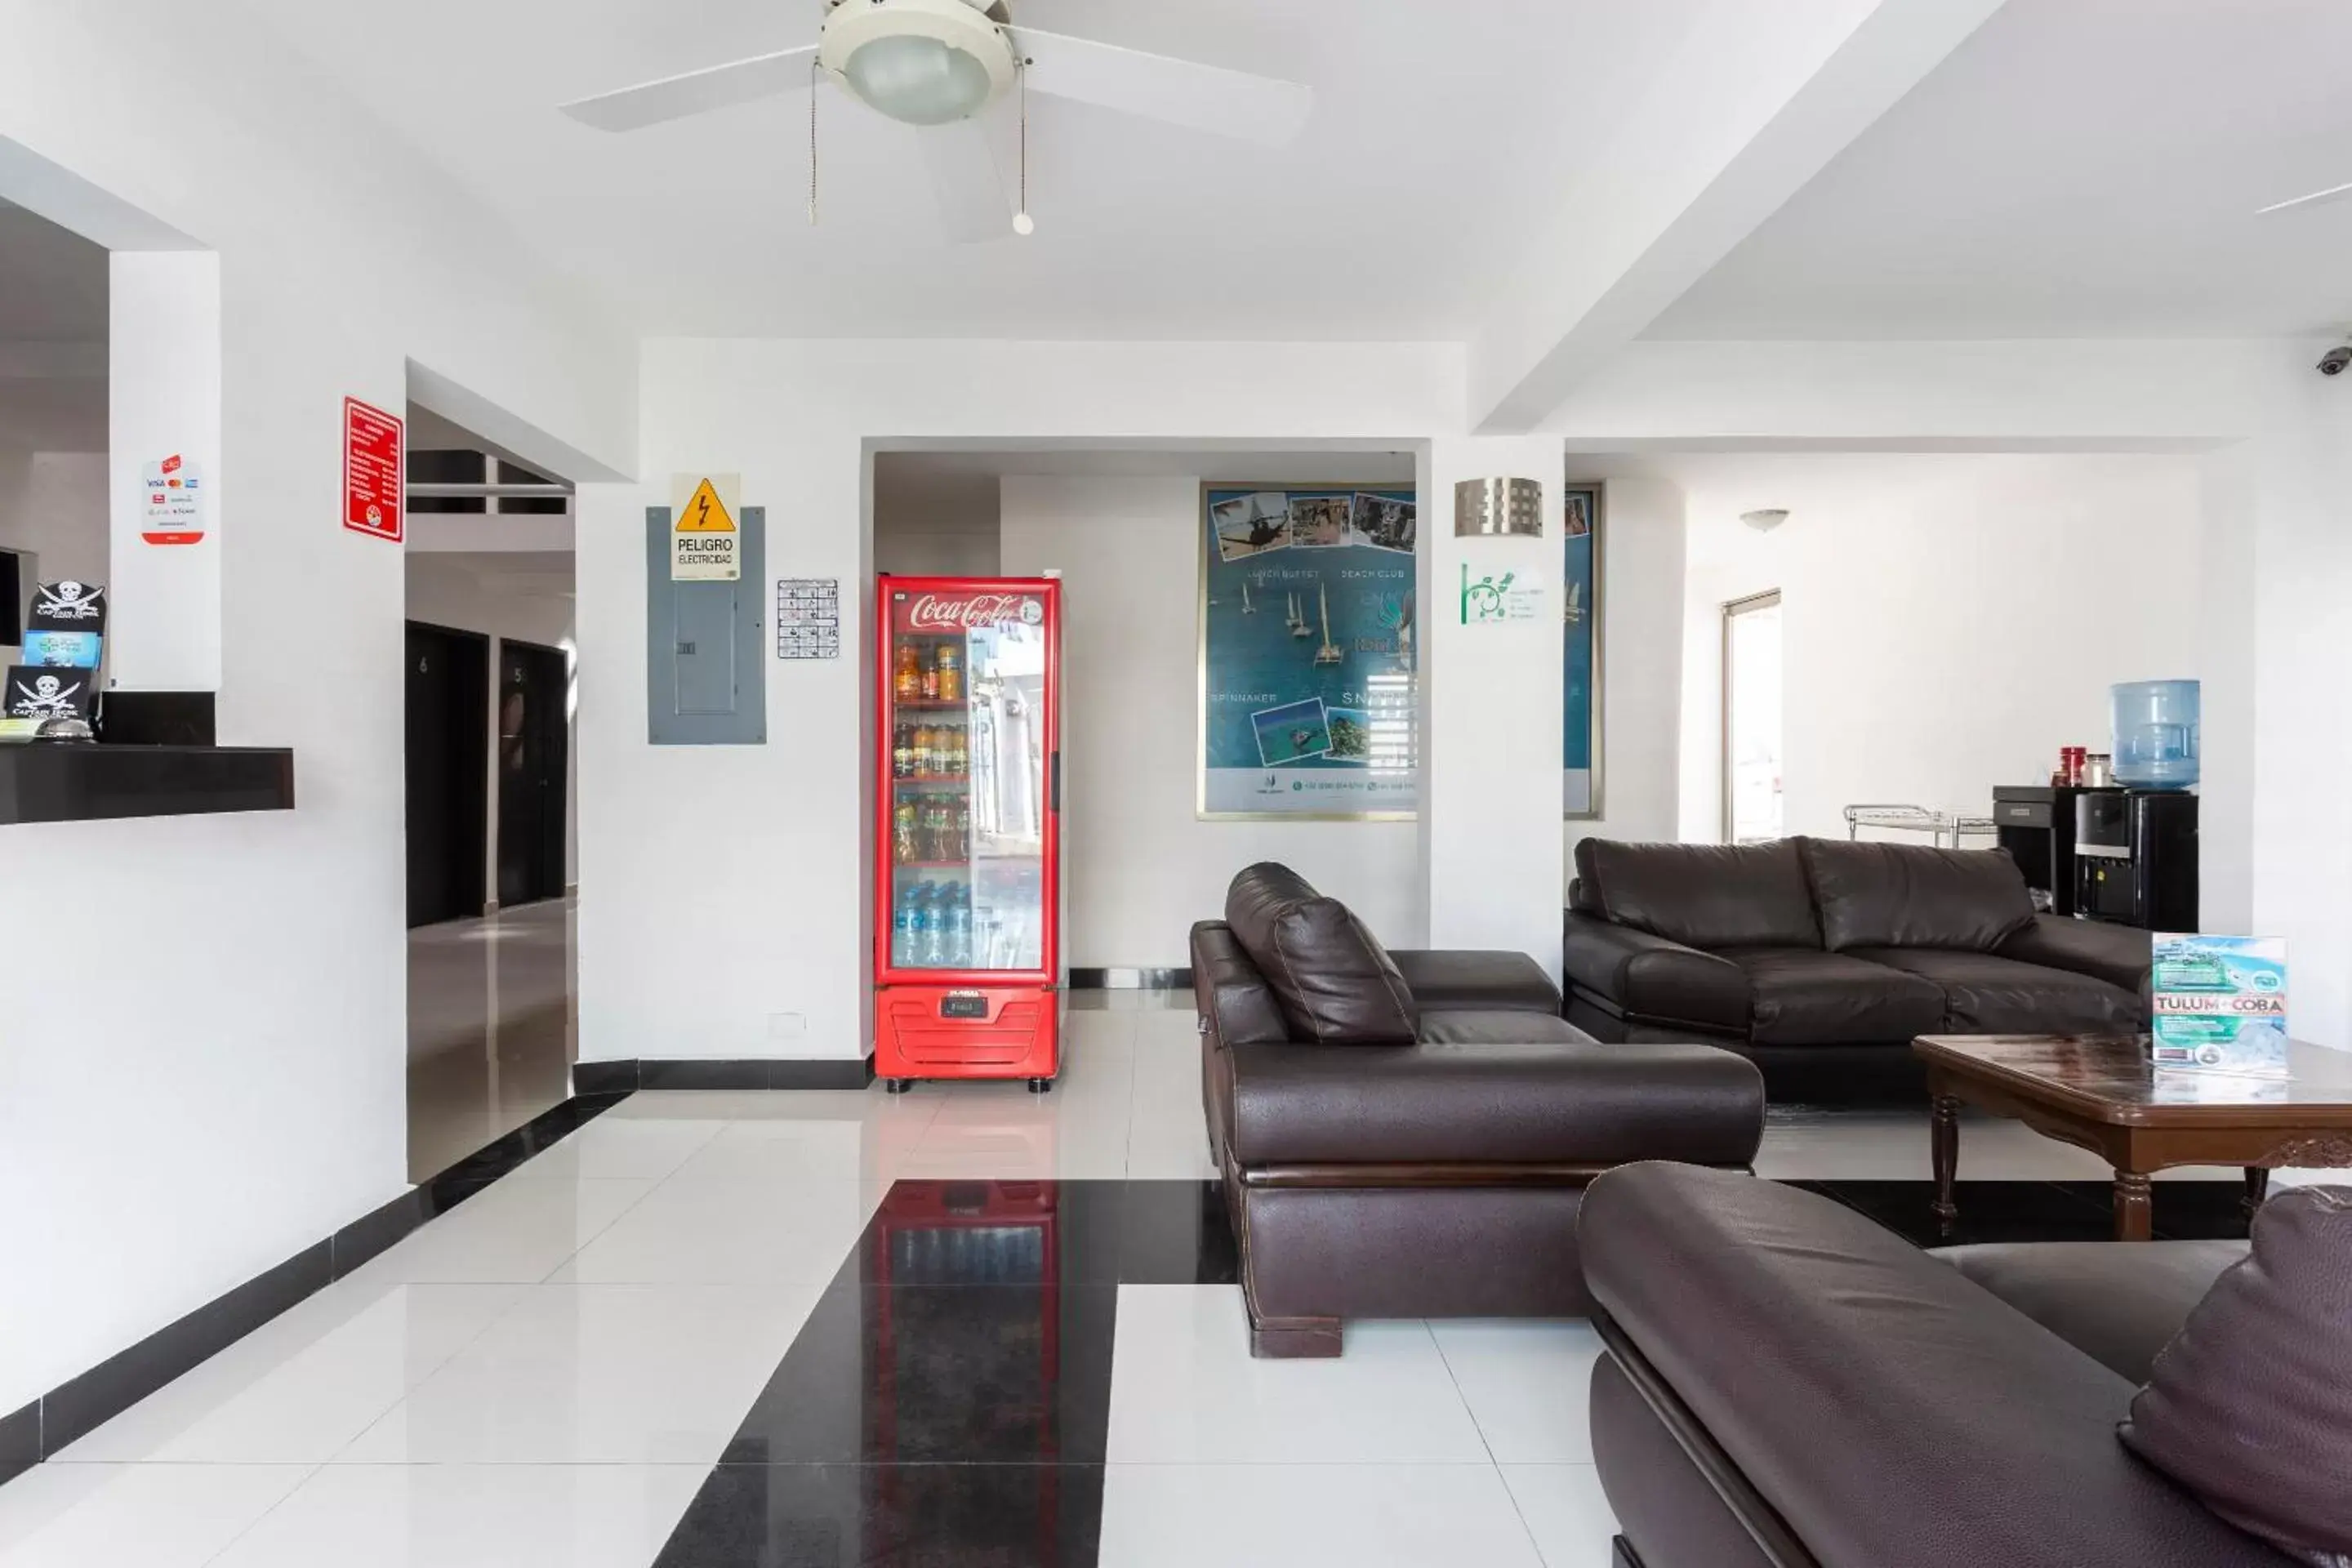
968,1326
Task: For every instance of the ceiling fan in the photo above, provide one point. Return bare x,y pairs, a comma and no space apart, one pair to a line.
941,64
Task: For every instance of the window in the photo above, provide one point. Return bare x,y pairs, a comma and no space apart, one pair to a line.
1751,719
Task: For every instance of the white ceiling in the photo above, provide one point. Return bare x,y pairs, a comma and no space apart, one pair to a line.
1432,151
2078,168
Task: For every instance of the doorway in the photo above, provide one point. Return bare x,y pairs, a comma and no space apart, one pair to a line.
533,718
448,772
1753,798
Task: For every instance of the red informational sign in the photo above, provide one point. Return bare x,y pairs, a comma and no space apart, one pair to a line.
375,449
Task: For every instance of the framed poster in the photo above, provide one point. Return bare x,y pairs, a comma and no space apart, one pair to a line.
1586,515
1308,653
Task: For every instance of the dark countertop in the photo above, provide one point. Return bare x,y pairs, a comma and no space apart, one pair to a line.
85,782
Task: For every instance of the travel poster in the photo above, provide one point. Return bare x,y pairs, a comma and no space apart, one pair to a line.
1580,605
1308,652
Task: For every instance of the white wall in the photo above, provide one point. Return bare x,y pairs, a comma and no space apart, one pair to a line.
1141,867
452,588
1949,622
209,1076
784,906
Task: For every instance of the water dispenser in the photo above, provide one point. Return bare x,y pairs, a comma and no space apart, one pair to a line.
2156,733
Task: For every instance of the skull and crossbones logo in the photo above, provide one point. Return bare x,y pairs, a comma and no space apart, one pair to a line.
68,601
46,697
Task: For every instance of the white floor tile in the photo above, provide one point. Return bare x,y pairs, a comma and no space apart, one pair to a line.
597,1374
512,1231
784,1232
1565,1511
634,1149
472,1516
1526,1384
300,1387
134,1515
777,1149
1184,1389
1311,1516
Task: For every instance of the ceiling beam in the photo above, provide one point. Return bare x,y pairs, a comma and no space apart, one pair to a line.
38,359
1757,102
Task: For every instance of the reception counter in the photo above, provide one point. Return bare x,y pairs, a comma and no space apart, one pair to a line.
83,782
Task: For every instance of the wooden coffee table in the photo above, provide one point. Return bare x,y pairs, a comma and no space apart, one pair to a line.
2101,1093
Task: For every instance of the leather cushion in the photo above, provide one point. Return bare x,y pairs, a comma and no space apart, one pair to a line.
1908,895
1495,1026
2118,1305
1229,991
1703,894
1985,994
1808,997
1336,984
1637,973
1468,979
1572,1102
2250,1408
1892,1413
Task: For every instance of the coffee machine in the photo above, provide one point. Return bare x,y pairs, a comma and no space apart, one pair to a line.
2136,857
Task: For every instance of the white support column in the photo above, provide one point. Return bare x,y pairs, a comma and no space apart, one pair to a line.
163,400
1491,828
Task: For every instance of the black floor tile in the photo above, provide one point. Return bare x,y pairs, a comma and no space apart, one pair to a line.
892,1516
1176,1233
20,1441
2037,1211
928,1373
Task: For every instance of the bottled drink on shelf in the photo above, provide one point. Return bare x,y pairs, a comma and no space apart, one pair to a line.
956,762
959,928
903,946
918,750
902,752
927,672
934,931
906,676
948,665
906,833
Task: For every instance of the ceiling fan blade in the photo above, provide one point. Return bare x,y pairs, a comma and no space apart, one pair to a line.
1159,86
2332,193
696,92
966,182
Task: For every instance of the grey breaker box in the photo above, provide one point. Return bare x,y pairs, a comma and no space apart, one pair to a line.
706,680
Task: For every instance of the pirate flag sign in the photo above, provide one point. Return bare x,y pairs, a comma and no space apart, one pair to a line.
69,607
34,695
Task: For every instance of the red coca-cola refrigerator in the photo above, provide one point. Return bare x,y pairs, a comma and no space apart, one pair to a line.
967,876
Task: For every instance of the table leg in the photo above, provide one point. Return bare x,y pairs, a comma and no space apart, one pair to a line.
2258,1187
1944,1144
2135,1210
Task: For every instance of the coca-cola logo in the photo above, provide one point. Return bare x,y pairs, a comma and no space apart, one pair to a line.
932,613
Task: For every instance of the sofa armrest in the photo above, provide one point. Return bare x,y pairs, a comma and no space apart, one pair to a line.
1231,997
2120,955
1650,976
1510,982
1887,1409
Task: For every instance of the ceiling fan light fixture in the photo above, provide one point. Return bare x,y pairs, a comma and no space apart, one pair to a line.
922,62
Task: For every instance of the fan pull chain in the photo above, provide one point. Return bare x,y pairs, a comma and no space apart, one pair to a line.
815,79
1023,223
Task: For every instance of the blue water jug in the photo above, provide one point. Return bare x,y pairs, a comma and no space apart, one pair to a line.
2156,731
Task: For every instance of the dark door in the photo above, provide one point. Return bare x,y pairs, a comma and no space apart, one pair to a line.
533,731
448,772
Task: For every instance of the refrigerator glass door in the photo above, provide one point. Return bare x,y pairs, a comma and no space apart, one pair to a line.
968,781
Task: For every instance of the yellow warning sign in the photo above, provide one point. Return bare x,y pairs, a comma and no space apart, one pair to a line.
704,541
705,513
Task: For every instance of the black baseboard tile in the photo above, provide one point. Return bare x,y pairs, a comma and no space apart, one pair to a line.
20,1441
678,1073
1130,979
75,1408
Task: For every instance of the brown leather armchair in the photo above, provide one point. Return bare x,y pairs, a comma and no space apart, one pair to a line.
1410,1134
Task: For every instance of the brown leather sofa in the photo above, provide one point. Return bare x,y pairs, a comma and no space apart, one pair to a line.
1788,1385
1410,1134
1821,960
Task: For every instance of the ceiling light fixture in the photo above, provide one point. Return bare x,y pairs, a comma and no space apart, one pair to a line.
923,62
1765,521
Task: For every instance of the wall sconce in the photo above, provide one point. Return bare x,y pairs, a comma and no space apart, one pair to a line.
1496,508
